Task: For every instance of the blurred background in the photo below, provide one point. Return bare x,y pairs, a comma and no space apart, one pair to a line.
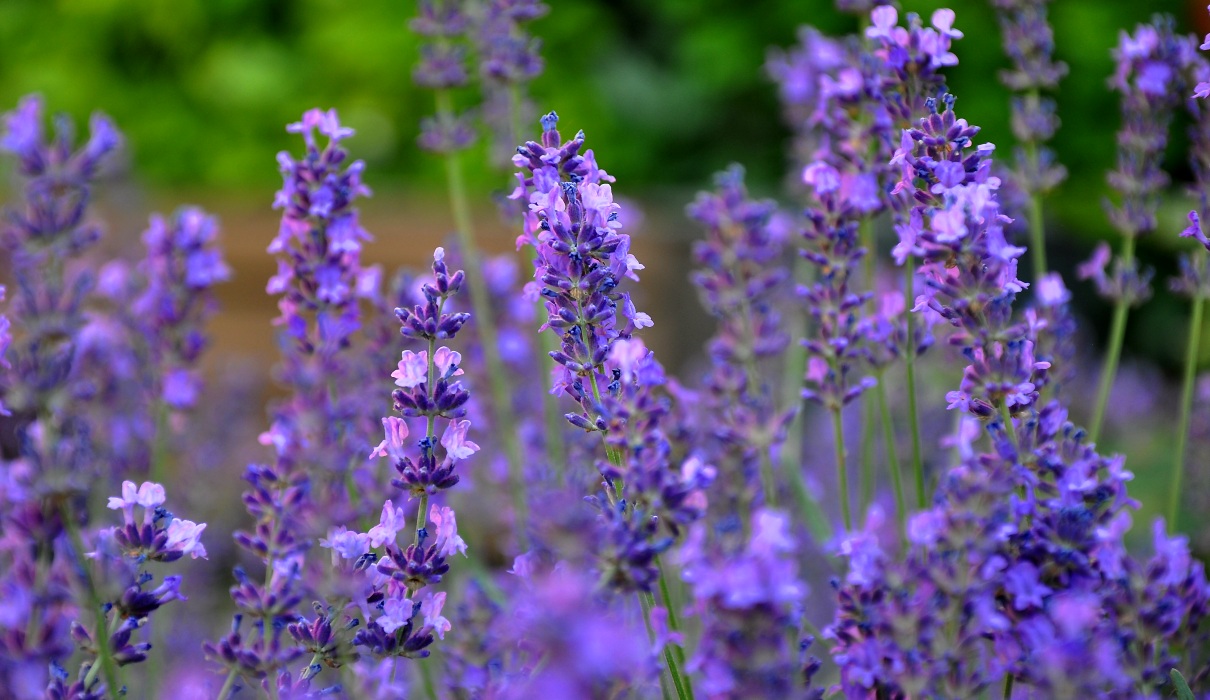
668,92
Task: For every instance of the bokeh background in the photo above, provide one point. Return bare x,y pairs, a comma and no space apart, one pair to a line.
668,91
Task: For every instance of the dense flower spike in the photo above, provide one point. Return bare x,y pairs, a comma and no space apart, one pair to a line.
749,596
1029,43
582,259
1010,578
183,263
739,280
395,594
320,436
53,375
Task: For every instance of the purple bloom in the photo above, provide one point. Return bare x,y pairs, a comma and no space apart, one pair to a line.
448,541
454,440
389,525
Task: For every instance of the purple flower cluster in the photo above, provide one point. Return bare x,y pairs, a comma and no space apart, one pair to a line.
1011,578
182,265
396,593
319,435
1029,43
493,34
748,595
740,280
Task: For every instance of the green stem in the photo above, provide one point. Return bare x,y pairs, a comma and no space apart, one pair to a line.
160,448
909,362
1182,428
679,682
673,623
645,603
1009,429
791,449
101,638
426,679
1113,352
485,323
1037,230
842,476
892,455
865,488
865,232
1008,687
225,692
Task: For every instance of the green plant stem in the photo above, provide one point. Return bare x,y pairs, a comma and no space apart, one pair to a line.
225,692
101,635
842,475
679,682
673,623
1009,429
1037,230
865,232
645,603
909,363
1113,352
498,381
1008,687
684,689
892,456
1192,352
426,679
791,448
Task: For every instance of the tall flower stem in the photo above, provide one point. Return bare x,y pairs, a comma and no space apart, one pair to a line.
481,304
892,457
842,473
680,682
791,448
673,623
909,363
684,690
1113,352
646,603
101,635
865,233
1192,352
227,690
1037,231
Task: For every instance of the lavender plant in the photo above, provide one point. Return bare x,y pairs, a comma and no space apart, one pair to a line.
657,554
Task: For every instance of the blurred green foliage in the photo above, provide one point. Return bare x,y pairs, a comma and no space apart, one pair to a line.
669,91
672,90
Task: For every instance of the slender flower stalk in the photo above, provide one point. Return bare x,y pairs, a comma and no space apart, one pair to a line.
1151,65
1194,281
738,281
583,257
47,378
1029,43
442,69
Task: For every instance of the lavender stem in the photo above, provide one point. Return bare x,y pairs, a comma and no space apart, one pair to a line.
842,476
1113,352
225,692
909,361
497,379
104,654
1182,429
892,456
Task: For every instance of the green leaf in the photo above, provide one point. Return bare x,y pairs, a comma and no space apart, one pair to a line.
1182,688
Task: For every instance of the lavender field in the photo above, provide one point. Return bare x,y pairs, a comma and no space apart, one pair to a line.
926,417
